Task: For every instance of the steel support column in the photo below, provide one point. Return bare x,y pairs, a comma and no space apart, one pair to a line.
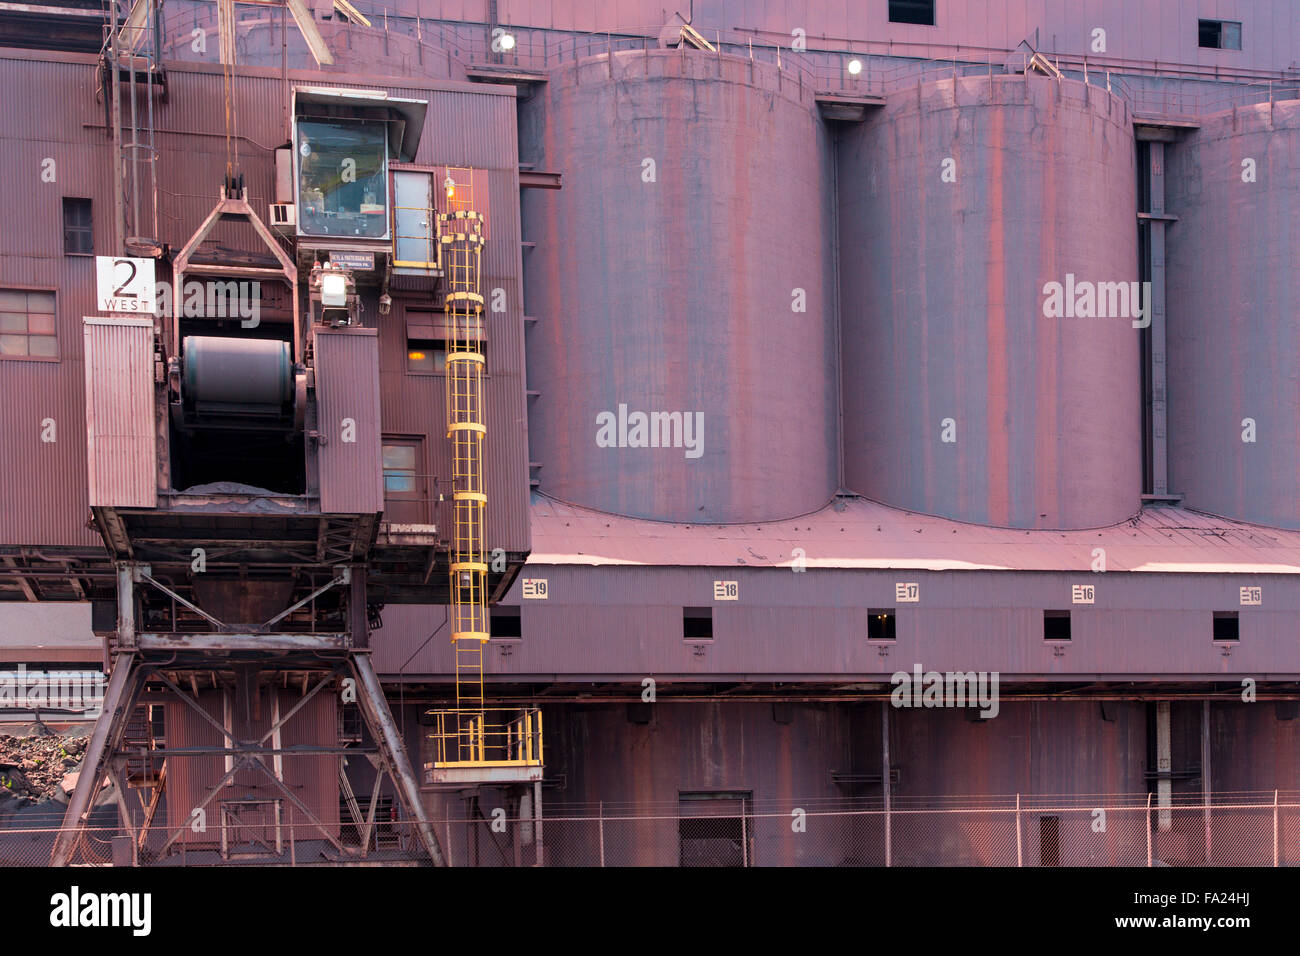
119,700
374,707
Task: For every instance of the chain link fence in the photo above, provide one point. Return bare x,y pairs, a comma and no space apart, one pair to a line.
1257,829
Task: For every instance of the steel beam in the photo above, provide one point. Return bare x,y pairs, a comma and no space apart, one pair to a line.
119,699
374,707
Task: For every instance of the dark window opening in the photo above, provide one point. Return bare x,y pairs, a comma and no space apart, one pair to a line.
262,459
880,624
1226,626
350,725
912,11
1219,34
78,232
712,829
505,622
27,325
697,623
1049,841
1056,625
426,355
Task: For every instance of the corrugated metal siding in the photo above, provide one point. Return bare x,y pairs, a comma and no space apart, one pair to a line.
312,778
49,112
1163,30
45,482
416,404
347,391
121,446
608,622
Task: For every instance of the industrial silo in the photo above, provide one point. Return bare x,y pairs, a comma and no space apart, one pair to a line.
1233,340
975,388
683,358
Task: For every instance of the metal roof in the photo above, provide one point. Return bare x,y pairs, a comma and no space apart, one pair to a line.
858,533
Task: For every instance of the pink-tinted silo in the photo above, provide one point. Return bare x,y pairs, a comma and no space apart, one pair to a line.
972,388
684,271
1234,342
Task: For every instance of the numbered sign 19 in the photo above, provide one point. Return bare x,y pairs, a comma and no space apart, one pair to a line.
124,285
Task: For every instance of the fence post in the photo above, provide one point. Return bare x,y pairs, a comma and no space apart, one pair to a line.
601,811
1148,819
1275,846
744,836
1020,850
884,784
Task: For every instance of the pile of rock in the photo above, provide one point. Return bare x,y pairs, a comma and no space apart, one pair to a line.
32,769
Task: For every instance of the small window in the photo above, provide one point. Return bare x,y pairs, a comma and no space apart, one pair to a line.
406,499
880,624
1219,34
505,622
399,468
1226,626
426,355
27,325
697,623
78,231
1056,625
912,11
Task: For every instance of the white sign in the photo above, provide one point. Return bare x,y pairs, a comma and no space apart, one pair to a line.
908,592
726,590
1083,593
1252,597
124,285
535,589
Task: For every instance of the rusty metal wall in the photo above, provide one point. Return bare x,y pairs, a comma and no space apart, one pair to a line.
624,622
961,396
347,416
817,756
1234,400
121,437
1240,733
313,778
679,294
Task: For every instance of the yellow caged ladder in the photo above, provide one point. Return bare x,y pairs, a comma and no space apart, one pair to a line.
461,235
472,743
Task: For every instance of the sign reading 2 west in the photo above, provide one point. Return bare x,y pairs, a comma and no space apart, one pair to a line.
124,285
